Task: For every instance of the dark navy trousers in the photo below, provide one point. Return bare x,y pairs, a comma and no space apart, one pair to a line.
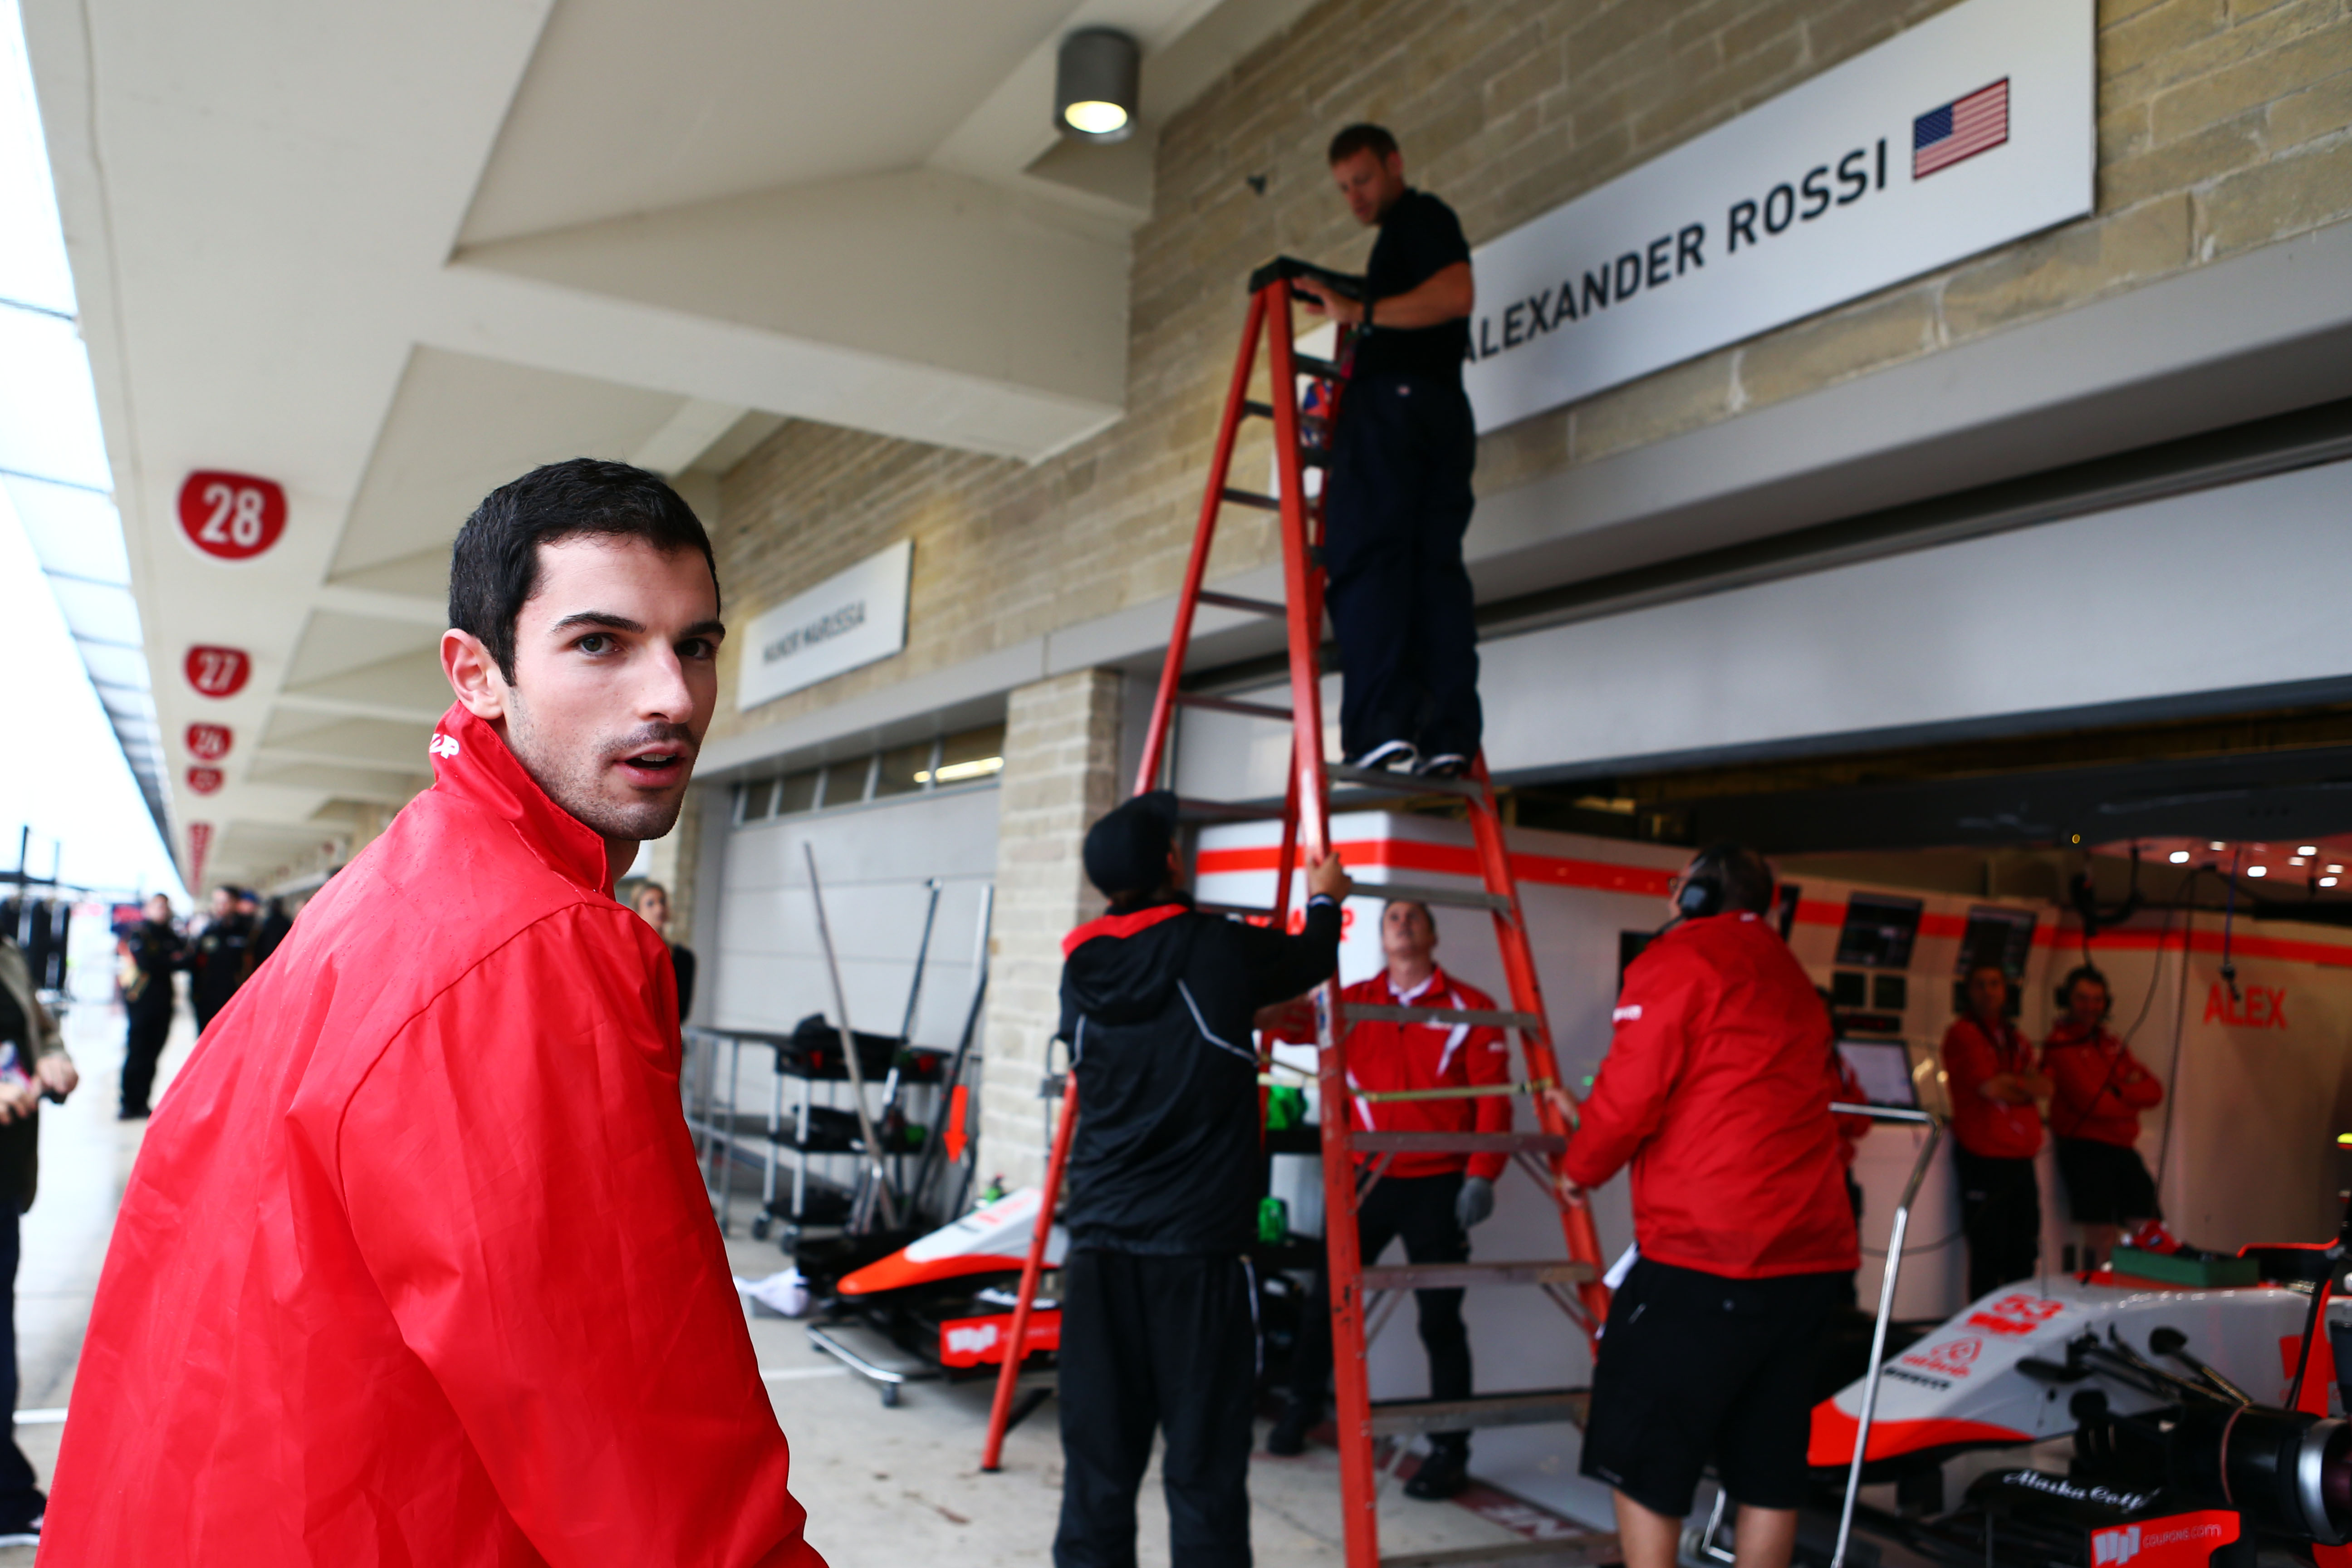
1397,501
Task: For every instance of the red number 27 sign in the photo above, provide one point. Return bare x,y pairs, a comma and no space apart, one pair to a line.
231,517
218,671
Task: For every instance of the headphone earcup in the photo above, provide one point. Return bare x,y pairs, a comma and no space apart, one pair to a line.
1697,899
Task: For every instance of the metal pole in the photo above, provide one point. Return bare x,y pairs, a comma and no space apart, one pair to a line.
1885,1306
849,1046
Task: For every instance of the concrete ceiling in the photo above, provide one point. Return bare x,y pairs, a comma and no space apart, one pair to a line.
391,258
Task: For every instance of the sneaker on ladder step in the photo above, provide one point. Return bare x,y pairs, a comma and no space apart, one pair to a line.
1444,765
1390,756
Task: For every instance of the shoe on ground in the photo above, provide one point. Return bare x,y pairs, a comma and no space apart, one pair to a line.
1289,1435
1444,1472
1397,756
128,1114
21,1534
1444,765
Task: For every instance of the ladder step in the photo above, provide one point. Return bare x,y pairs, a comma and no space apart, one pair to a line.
1460,1275
1476,1017
1251,498
1415,893
1189,809
1456,1142
1239,602
1308,364
1396,1417
1561,1552
1256,410
1228,705
1403,783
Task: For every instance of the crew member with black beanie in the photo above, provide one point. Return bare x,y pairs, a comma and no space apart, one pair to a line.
1159,1328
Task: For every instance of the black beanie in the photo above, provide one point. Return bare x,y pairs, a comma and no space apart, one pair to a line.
1127,851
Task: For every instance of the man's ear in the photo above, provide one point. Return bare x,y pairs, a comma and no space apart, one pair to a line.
473,675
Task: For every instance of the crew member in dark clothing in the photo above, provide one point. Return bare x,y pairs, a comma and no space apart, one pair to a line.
1397,495
33,1063
1157,1319
652,904
221,958
270,930
151,953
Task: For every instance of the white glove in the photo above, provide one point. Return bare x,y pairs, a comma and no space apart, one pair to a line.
1473,1203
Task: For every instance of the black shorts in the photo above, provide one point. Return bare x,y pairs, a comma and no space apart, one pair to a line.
2106,1183
1696,1368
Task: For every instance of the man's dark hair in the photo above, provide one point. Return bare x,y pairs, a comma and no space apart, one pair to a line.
1363,137
1740,877
494,565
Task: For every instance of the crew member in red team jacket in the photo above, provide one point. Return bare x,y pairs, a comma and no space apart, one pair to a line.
1158,1318
416,1265
2101,1088
1429,1201
1990,1069
1717,1088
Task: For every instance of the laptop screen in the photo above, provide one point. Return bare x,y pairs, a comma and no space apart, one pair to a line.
1883,1069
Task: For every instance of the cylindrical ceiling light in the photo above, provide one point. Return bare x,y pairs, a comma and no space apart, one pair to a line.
1095,84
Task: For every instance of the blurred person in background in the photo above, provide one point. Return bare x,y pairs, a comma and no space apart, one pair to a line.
220,958
33,1063
652,904
151,953
1994,1082
2099,1088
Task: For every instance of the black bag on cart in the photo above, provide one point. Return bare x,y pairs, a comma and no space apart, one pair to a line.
813,1050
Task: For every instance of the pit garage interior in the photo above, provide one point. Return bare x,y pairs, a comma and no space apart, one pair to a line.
2000,600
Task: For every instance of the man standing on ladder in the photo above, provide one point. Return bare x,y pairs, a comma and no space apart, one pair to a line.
1431,1201
1397,492
1718,1089
1158,1311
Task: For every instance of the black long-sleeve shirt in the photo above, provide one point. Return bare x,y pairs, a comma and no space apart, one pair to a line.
1157,1006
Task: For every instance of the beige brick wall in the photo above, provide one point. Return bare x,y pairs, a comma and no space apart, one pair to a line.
1061,760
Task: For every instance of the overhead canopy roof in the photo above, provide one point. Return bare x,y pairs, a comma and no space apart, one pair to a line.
392,257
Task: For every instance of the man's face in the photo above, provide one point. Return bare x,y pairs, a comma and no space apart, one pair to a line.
653,907
224,903
616,676
2086,1003
1370,182
159,909
1987,993
1407,935
247,905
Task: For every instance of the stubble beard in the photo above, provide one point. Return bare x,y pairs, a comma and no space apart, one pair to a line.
575,779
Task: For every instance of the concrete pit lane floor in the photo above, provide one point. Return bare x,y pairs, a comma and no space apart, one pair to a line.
883,1487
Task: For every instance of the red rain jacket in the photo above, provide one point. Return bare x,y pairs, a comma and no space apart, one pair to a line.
1383,1057
1990,1128
416,1265
2102,1088
1718,1089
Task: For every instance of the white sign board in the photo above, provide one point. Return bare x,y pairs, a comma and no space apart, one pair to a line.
1965,132
843,622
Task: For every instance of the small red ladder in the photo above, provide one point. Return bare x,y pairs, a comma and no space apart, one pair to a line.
1573,1283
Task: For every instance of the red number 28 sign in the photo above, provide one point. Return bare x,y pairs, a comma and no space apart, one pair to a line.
218,671
232,517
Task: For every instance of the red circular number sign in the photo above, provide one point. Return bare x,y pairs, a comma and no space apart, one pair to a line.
231,517
218,671
203,781
209,743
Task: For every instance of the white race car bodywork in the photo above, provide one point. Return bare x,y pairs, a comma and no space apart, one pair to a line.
1960,1386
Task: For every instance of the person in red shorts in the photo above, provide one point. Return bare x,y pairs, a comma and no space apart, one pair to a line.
1716,1090
1430,1201
2101,1088
1994,1083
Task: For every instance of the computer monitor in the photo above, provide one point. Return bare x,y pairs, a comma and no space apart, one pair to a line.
1879,930
1883,1068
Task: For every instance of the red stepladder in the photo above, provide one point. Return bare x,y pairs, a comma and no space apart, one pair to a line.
1354,1160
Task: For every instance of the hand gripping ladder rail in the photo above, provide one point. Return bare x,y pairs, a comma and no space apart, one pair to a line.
1573,1283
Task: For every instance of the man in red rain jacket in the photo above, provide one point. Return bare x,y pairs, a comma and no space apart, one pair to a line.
416,1265
1430,1201
1996,1131
2101,1088
1717,1088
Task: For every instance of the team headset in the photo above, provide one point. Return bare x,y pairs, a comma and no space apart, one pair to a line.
2076,976
1702,891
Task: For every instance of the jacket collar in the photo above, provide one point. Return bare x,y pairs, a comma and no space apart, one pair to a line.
471,764
1121,925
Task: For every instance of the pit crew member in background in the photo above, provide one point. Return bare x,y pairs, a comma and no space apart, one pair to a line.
221,957
417,1265
152,952
2100,1090
1158,1311
1430,1201
1716,1089
1397,496
651,901
37,1065
1994,1084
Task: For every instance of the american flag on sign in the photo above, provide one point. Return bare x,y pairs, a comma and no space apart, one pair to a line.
1960,129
